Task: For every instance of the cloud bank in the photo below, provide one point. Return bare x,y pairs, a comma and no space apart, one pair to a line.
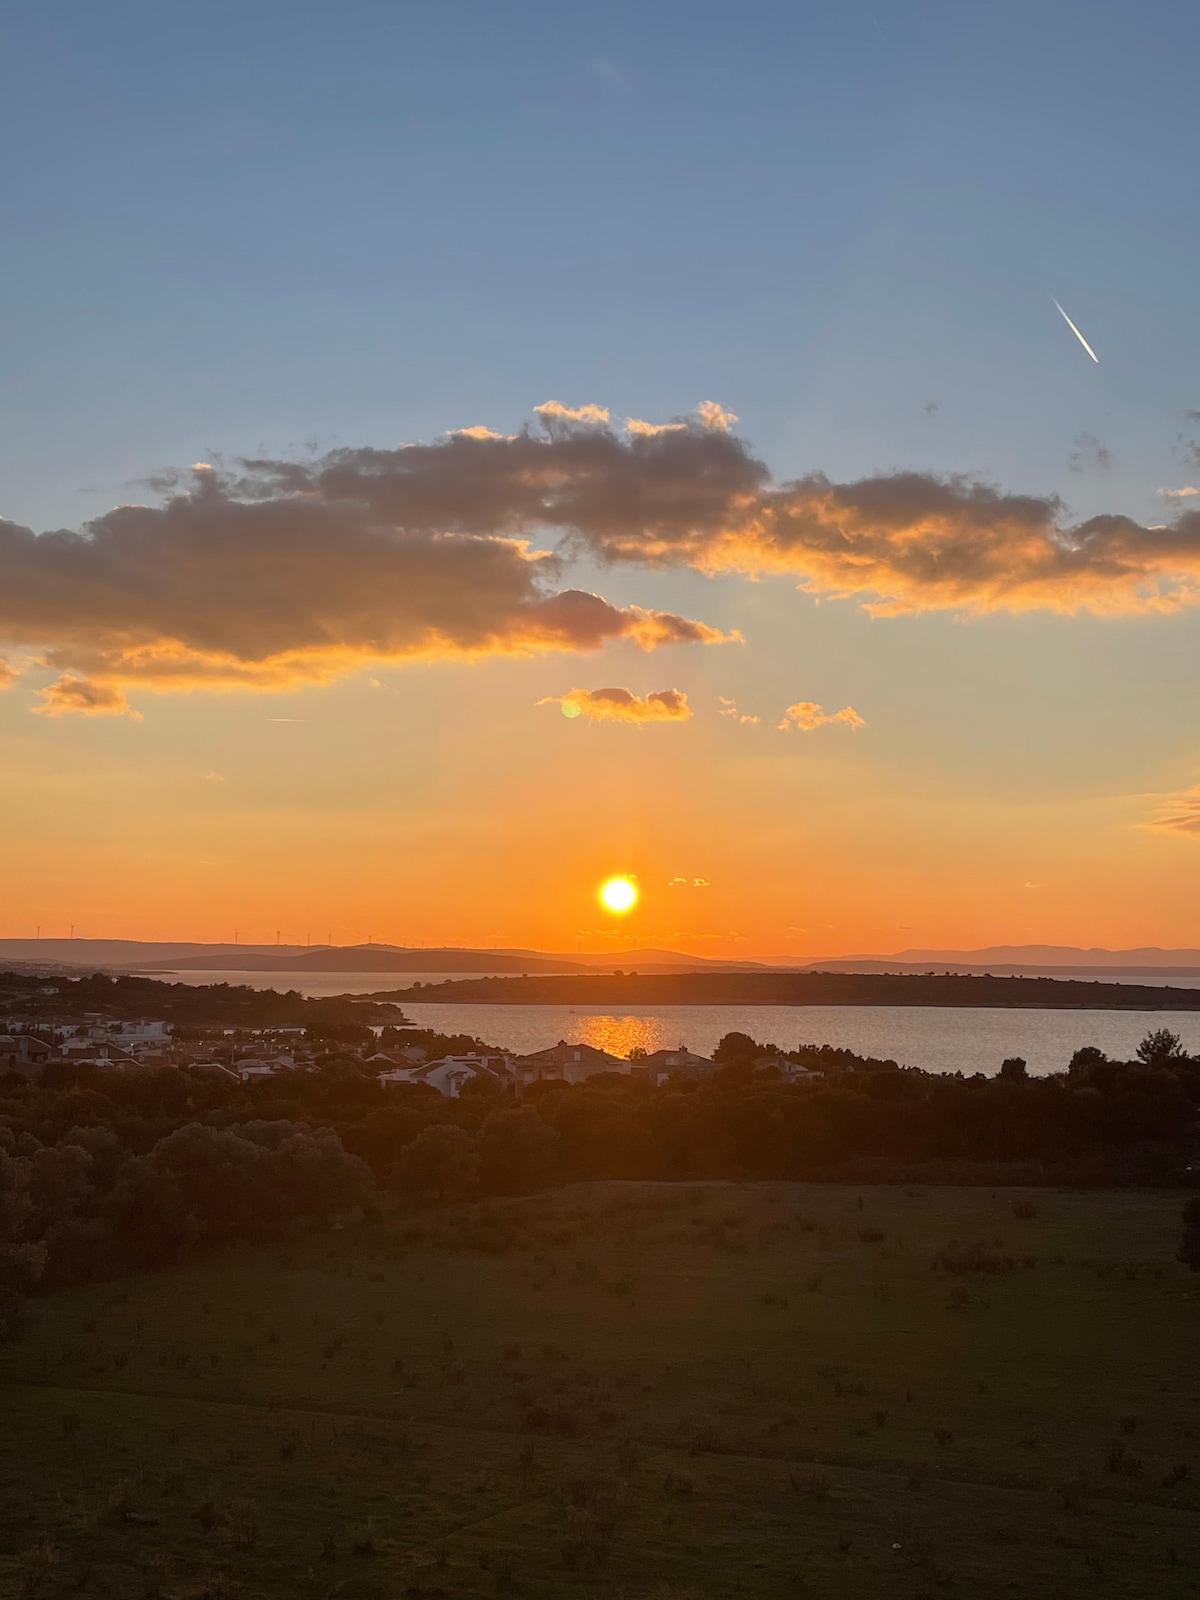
807,716
622,705
689,493
273,572
278,573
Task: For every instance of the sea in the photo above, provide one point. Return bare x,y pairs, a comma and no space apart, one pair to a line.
934,1038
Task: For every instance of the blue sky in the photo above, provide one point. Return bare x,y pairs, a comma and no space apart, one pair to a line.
259,224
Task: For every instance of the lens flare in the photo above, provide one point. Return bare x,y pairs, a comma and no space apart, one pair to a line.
618,895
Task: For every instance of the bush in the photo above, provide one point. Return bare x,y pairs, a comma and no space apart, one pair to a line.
440,1164
518,1152
972,1258
1189,1249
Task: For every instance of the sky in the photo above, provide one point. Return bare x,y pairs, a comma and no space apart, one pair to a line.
452,453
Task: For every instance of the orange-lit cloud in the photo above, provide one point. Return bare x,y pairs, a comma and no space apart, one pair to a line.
622,705
284,574
807,715
729,708
71,694
270,573
8,675
1178,813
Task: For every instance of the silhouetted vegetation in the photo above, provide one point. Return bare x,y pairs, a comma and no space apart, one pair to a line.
802,988
213,1005
102,1170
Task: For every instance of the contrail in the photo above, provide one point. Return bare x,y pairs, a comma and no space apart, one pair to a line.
1077,334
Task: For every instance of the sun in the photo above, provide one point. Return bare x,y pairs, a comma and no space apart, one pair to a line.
618,895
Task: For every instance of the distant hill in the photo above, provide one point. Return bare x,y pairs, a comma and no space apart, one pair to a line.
1015,959
124,952
133,955
1058,955
396,958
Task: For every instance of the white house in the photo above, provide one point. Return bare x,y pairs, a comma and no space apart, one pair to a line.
251,1067
451,1073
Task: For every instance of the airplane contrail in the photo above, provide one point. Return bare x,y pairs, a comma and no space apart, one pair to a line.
1077,334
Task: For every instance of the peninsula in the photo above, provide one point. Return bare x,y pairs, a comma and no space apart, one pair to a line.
623,989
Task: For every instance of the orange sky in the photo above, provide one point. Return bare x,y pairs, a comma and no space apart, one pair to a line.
443,804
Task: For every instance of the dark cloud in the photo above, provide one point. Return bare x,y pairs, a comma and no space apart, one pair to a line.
277,573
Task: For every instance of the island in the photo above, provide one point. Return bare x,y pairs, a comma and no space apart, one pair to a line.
622,990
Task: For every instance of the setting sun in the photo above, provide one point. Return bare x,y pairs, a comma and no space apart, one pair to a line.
618,895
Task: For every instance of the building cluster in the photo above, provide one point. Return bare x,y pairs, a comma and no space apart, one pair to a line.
561,1063
28,1044
96,1040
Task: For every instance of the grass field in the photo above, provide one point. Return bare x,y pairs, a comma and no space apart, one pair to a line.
632,1390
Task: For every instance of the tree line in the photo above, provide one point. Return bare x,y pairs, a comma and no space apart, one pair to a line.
104,1172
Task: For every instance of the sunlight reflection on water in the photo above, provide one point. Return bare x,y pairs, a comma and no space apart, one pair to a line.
620,1035
939,1039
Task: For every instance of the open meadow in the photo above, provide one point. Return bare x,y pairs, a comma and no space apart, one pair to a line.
652,1391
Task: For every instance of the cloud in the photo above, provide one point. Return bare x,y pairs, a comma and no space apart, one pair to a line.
70,694
728,708
267,573
688,883
555,417
281,572
1185,493
807,715
1088,453
1177,813
707,415
622,705
8,674
1185,447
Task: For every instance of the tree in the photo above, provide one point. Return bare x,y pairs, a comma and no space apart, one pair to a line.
319,1176
1085,1061
1014,1070
736,1048
1189,1249
439,1164
518,1152
198,1186
1160,1048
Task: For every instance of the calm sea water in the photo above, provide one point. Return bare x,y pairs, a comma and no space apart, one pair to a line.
936,1038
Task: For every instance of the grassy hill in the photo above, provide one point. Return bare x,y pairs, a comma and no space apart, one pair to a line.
658,1392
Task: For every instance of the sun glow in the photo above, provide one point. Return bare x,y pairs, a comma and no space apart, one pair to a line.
618,895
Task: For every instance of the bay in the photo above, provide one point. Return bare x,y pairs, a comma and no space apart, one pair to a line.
935,1038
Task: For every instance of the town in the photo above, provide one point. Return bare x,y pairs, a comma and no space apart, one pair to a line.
38,1035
